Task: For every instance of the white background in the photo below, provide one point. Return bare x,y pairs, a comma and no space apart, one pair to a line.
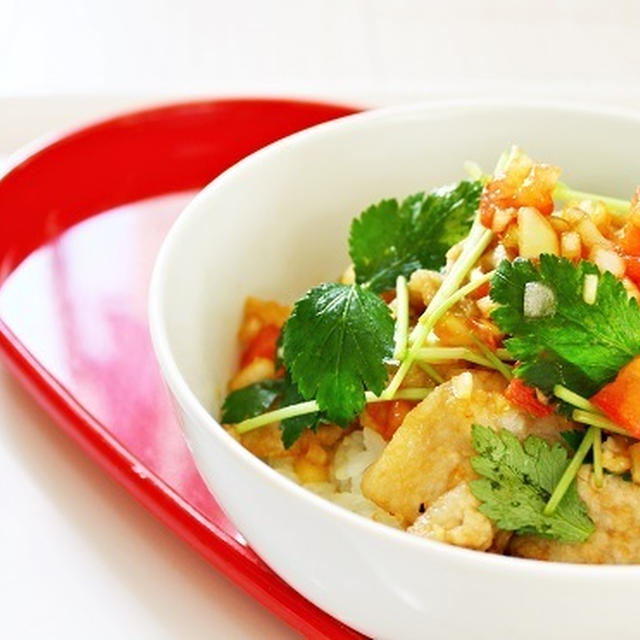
78,558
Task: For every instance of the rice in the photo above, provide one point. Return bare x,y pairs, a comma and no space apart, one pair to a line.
354,455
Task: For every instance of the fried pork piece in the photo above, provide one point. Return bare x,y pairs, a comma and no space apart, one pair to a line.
429,454
614,509
454,518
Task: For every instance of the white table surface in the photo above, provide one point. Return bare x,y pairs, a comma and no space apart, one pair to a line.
79,558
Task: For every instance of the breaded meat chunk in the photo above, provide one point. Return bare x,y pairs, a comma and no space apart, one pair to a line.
429,454
454,518
615,511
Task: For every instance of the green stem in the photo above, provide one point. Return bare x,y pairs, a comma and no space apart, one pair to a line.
402,318
478,240
573,399
570,472
311,406
452,300
436,355
587,412
498,365
565,193
453,293
292,411
408,393
598,473
598,420
431,372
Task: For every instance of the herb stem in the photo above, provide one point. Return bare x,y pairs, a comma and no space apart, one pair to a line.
311,406
430,371
454,298
442,302
402,318
408,393
598,473
478,240
598,420
586,412
435,355
573,399
292,411
496,363
570,472
565,193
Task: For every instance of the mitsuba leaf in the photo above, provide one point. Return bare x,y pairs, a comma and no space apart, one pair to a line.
335,344
259,397
292,428
517,481
391,239
579,345
251,400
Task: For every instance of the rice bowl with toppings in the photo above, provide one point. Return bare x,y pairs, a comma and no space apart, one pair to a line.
439,385
297,198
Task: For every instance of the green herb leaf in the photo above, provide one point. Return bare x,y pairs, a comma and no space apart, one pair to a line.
255,399
279,362
579,345
292,428
335,344
251,400
389,239
517,481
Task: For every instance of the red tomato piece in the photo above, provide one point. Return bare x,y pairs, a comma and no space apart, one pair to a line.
633,268
524,397
387,296
480,292
630,241
388,416
619,400
262,345
486,215
485,331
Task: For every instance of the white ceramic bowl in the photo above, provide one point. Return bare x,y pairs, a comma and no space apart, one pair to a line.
275,224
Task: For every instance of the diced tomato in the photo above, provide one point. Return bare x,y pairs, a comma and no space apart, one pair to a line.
523,184
633,268
620,400
630,241
262,345
524,397
388,296
486,332
480,292
486,214
388,416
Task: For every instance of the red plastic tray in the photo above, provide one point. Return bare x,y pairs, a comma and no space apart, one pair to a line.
73,294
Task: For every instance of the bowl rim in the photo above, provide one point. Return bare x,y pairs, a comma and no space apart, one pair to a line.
488,562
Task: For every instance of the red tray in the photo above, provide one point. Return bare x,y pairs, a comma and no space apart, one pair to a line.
73,290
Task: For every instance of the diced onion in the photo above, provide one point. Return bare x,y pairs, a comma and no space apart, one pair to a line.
571,245
539,300
608,260
462,385
590,288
